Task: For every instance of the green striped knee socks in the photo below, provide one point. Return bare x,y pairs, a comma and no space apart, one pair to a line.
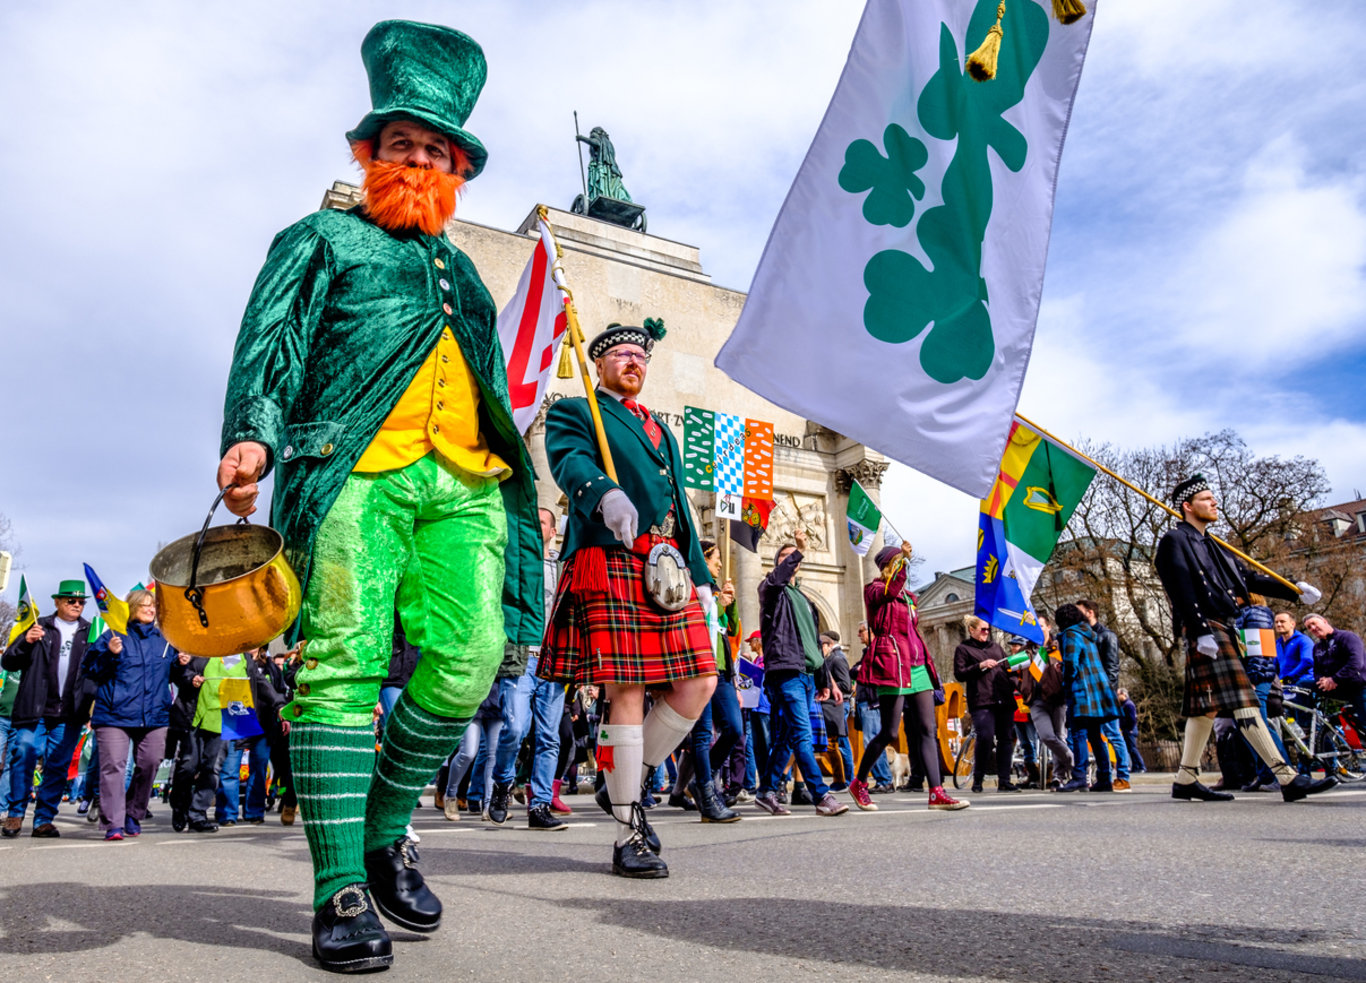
332,772
415,744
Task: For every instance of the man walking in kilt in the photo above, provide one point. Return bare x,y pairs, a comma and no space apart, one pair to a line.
605,627
1207,587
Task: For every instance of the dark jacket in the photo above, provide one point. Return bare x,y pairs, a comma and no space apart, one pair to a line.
651,477
1089,694
38,662
1128,717
135,684
1107,643
985,687
267,690
1259,668
777,621
186,692
402,658
1048,690
1200,592
1341,657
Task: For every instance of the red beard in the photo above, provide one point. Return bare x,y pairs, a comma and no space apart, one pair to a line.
399,197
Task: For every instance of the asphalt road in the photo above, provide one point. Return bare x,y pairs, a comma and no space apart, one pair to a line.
1032,887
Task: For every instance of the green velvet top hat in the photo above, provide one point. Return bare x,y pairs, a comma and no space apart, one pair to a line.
427,73
71,588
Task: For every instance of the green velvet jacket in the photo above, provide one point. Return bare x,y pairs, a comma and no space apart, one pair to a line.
342,316
650,476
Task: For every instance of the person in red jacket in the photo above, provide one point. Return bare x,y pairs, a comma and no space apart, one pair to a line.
898,666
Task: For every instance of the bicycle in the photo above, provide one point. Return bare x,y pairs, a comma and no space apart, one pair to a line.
1327,745
963,761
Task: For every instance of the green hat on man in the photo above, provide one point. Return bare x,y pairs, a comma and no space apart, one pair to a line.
427,73
72,589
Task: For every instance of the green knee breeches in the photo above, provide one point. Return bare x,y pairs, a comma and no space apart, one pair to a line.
429,540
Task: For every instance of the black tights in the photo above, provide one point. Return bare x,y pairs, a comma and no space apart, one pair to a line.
917,710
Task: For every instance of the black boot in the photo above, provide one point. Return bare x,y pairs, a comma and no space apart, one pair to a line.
400,893
604,802
498,803
348,936
711,807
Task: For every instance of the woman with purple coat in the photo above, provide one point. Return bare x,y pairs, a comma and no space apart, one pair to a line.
897,667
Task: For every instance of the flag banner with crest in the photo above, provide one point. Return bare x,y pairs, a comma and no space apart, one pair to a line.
239,710
112,608
730,455
747,530
530,328
864,518
896,299
1038,487
25,615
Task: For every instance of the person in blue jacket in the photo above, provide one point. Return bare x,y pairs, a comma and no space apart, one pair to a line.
132,709
1295,667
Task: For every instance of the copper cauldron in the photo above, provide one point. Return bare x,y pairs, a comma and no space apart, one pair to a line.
225,590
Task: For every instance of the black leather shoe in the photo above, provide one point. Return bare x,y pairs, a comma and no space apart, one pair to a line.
1301,786
179,820
712,809
498,803
680,801
1196,792
634,859
399,892
1008,787
348,936
203,826
539,816
604,802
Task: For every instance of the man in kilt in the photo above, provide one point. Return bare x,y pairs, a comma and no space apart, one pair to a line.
605,628
1207,587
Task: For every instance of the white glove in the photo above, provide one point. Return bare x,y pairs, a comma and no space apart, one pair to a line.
1207,646
707,600
619,515
1309,594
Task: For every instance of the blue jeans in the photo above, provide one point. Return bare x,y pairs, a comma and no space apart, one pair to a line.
8,750
790,694
724,709
870,722
388,696
525,699
53,745
477,734
1110,730
258,757
229,783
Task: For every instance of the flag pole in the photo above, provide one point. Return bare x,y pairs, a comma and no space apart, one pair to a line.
574,338
1162,505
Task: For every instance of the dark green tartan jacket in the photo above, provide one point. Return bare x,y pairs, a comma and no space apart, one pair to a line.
342,316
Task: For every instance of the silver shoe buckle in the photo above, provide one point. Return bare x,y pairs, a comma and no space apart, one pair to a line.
350,911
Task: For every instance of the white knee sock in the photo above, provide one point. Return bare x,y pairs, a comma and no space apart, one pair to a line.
1193,748
664,729
622,775
1254,729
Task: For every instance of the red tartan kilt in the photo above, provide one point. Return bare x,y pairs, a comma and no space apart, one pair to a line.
622,636
1217,684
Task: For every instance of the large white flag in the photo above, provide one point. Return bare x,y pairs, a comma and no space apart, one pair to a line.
896,299
530,327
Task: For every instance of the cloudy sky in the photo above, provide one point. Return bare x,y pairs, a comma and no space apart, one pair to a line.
1207,266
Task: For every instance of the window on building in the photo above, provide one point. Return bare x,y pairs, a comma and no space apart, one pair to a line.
950,597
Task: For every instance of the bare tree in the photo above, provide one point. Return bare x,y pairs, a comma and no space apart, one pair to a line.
1111,541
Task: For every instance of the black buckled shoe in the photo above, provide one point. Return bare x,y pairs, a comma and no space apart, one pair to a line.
1303,785
400,893
604,802
348,936
635,859
1197,792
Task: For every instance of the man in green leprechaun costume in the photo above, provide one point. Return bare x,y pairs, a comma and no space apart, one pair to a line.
369,375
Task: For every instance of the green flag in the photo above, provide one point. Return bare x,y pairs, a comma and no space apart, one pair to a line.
699,448
864,518
97,627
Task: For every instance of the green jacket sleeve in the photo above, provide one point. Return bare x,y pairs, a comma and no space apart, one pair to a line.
268,363
572,448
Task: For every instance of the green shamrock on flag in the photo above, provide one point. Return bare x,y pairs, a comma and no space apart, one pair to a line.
904,297
891,179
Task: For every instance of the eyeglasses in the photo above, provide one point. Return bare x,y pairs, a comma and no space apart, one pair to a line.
79,602
626,357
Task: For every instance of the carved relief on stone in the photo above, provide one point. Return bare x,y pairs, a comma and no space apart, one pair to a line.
791,512
867,473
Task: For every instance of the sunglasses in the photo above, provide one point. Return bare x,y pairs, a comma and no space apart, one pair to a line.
78,601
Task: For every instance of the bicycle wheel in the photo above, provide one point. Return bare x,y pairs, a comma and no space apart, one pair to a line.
1347,762
962,765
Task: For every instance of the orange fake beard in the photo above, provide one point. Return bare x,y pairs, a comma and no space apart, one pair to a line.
399,197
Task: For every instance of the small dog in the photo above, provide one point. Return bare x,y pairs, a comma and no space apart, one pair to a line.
901,767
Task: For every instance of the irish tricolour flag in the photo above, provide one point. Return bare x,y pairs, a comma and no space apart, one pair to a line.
864,518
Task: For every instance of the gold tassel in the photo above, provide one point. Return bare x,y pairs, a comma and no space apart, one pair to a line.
566,369
982,62
1068,11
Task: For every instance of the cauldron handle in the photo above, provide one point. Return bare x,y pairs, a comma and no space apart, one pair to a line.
194,594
